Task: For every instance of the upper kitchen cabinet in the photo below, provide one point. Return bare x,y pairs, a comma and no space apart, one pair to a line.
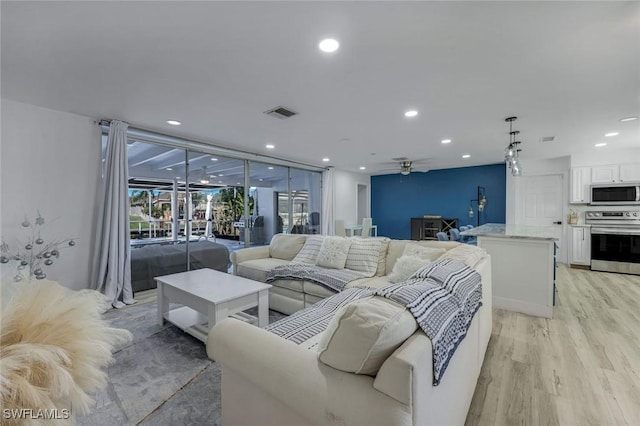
615,173
605,174
580,183
630,173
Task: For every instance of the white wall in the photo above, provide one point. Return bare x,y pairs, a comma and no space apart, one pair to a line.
346,195
604,156
50,161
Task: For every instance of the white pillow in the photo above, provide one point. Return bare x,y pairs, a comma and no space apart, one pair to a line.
405,267
466,253
310,250
333,252
362,335
428,253
363,255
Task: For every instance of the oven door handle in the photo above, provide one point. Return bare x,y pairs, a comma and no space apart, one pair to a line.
615,231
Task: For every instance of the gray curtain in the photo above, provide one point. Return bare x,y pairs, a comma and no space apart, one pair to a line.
112,263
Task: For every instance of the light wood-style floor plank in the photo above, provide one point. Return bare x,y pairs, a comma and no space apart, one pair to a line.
580,368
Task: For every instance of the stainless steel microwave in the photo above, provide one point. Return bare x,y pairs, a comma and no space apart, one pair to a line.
621,194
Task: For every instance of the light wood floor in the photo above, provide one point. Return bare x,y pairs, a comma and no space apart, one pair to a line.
580,368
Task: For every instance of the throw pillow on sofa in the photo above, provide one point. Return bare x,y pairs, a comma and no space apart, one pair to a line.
405,267
310,250
427,253
333,253
466,253
362,335
286,246
364,255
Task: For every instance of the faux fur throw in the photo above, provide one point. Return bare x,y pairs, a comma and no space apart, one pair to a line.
53,346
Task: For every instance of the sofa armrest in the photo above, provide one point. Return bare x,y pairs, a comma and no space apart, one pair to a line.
398,373
251,253
294,376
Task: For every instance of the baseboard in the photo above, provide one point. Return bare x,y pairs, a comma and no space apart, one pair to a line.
586,267
522,307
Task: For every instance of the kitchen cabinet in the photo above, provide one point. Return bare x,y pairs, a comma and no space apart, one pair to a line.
605,174
629,172
523,266
580,245
580,185
615,173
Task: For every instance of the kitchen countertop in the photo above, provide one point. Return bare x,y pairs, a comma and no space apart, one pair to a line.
501,230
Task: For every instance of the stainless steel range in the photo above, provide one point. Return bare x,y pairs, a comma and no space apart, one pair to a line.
615,241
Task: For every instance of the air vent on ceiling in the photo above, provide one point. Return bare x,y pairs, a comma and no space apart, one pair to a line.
281,112
547,139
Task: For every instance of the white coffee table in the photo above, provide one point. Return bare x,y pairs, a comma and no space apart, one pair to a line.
209,296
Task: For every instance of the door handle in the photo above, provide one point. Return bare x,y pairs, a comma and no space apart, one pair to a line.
558,222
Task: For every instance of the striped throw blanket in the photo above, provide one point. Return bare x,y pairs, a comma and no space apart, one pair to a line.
313,320
444,296
333,279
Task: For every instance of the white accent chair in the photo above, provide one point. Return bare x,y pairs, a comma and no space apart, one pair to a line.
366,226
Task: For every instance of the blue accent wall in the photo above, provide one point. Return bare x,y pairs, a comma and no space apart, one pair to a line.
395,199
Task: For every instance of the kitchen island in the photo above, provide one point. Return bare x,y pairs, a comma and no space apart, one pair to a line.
523,262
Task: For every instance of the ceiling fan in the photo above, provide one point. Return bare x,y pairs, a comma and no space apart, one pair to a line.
404,166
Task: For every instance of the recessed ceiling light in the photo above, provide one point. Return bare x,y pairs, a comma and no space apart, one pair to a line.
411,113
329,45
269,146
326,159
363,168
611,134
601,144
177,177
238,183
219,181
446,141
174,122
261,179
214,159
270,167
629,119
466,156
220,174
169,168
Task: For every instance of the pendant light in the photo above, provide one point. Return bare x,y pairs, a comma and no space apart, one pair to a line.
511,152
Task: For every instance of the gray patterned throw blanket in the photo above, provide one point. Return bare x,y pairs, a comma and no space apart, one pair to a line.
334,279
444,296
305,324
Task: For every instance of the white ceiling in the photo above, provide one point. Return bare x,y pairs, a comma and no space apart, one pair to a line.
566,69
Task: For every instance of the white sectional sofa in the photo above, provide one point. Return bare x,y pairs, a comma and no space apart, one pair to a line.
269,380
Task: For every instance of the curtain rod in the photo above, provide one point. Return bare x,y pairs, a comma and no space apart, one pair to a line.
207,148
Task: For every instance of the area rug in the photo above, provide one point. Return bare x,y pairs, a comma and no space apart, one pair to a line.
162,378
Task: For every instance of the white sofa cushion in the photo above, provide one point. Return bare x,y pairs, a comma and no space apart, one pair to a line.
334,252
364,254
256,269
286,246
310,250
362,335
405,267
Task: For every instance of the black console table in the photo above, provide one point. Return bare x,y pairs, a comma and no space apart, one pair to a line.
426,228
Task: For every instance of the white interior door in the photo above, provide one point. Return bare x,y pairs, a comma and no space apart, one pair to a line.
541,203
